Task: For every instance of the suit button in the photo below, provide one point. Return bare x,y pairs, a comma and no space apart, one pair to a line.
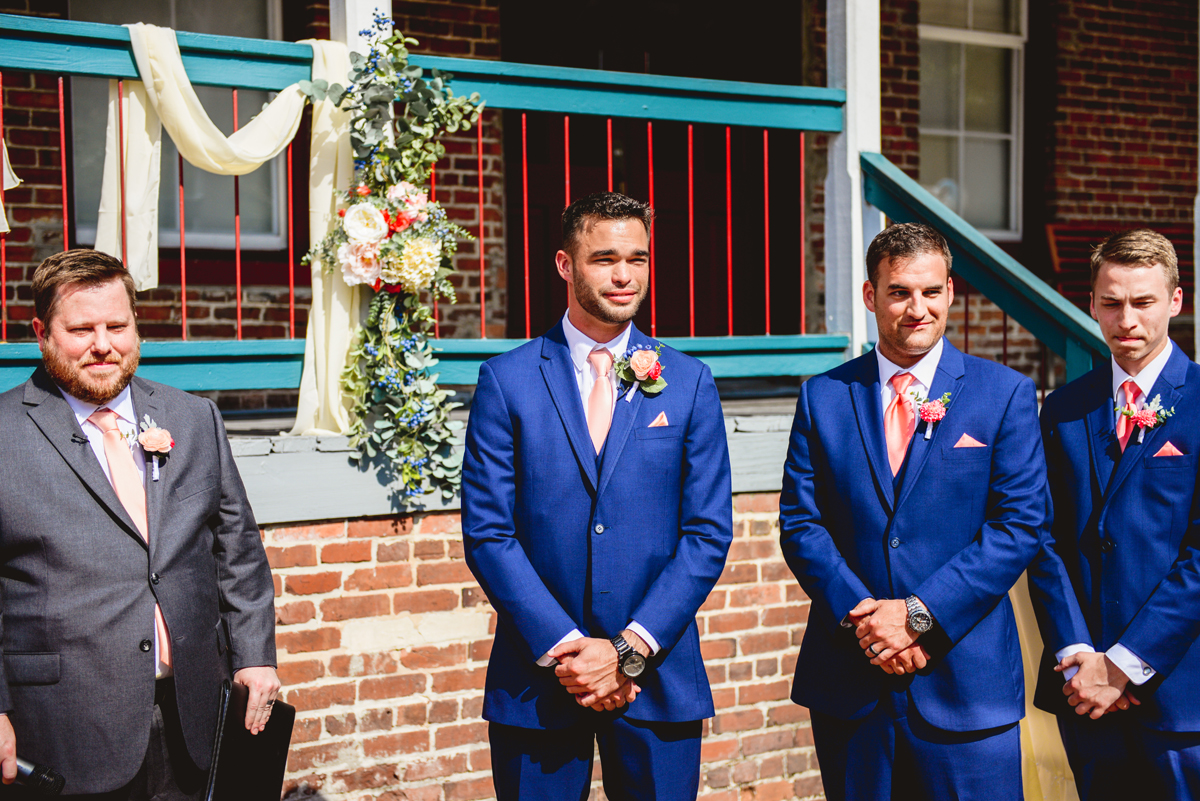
1146,671
146,645
599,529
895,543
1107,545
153,578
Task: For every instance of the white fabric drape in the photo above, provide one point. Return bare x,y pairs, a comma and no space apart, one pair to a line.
337,308
10,181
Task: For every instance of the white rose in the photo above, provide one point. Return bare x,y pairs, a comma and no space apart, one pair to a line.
364,223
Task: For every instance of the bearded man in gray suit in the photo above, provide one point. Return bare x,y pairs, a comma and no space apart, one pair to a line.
133,579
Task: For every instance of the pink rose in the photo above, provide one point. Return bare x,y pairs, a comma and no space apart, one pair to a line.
1145,418
643,362
360,262
156,440
932,411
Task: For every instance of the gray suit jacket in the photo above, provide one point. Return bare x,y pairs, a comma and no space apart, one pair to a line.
78,584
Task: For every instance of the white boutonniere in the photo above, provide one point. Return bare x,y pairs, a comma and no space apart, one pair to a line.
155,441
1152,415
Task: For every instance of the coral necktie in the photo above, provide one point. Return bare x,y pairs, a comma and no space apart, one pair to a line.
600,402
1125,422
899,422
132,495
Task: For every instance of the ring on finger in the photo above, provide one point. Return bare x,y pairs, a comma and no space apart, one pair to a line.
871,650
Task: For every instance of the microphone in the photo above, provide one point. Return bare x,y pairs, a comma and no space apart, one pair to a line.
43,779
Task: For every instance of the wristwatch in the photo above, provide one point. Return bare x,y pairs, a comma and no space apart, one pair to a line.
629,662
919,619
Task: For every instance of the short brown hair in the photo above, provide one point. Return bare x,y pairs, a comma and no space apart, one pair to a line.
904,241
79,266
604,206
1137,247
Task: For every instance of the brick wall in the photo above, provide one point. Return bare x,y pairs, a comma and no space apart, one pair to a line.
384,637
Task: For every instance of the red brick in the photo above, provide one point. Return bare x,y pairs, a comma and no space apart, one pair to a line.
785,616
469,789
366,778
298,642
444,573
392,552
362,665
481,650
313,583
409,742
757,693
300,672
400,686
324,697
279,558
355,607
714,602
420,602
440,523
320,531
339,725
424,658
377,528
756,502
738,721
769,741
380,578
309,757
375,720
455,736
714,750
456,680
429,549
439,766
724,697
786,715
758,595
718,649
739,574
341,552
761,643
736,621
293,613
306,731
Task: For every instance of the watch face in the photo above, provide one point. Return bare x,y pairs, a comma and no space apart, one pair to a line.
633,665
920,622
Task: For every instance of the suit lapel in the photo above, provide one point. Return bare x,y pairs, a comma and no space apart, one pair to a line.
559,374
948,378
145,403
866,394
1165,387
51,414
623,416
1106,450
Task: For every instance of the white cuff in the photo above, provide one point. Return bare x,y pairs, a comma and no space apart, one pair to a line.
1130,664
1077,648
640,630
547,660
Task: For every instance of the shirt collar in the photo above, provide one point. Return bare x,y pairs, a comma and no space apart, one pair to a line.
923,371
580,344
122,405
1146,379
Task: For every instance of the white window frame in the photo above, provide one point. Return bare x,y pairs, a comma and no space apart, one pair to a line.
1015,43
168,193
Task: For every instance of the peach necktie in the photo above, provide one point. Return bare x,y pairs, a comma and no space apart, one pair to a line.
600,402
899,422
1125,422
132,495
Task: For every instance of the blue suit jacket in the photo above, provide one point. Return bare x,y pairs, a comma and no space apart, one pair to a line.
1123,560
560,539
959,531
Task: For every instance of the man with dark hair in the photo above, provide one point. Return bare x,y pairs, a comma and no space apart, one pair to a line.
597,513
1117,590
914,495
132,573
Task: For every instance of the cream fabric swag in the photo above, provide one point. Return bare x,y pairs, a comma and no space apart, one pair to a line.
165,97
9,180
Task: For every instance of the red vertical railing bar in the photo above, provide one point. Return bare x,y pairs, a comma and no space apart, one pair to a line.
803,237
729,229
966,321
567,158
237,229
291,250
691,241
433,197
62,162
766,235
121,166
182,254
3,236
650,161
525,215
610,155
1004,339
479,166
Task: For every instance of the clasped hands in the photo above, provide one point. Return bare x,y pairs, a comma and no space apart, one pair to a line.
883,633
588,669
1098,688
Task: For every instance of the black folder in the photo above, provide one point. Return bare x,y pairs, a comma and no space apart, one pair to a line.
245,766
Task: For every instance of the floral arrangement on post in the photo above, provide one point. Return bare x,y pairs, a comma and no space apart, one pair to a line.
393,238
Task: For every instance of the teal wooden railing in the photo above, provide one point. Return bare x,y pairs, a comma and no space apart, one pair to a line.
79,48
1030,301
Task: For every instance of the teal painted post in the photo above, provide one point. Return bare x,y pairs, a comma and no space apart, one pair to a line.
1079,359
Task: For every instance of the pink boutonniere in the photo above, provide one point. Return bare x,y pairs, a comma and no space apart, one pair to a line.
931,411
1152,415
641,368
155,441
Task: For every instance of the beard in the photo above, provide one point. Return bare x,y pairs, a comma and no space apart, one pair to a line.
73,378
594,303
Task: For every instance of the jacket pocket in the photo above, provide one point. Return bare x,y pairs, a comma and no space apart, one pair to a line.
204,483
32,668
659,432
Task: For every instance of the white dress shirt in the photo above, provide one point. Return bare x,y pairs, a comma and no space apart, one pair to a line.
1130,663
580,345
122,406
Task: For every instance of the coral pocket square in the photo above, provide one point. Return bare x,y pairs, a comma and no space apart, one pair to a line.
967,441
1169,450
659,421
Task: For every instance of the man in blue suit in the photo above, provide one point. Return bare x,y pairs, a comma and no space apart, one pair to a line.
914,496
597,513
1117,590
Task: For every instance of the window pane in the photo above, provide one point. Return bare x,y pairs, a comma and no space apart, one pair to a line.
996,15
985,185
988,89
939,168
940,84
951,13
